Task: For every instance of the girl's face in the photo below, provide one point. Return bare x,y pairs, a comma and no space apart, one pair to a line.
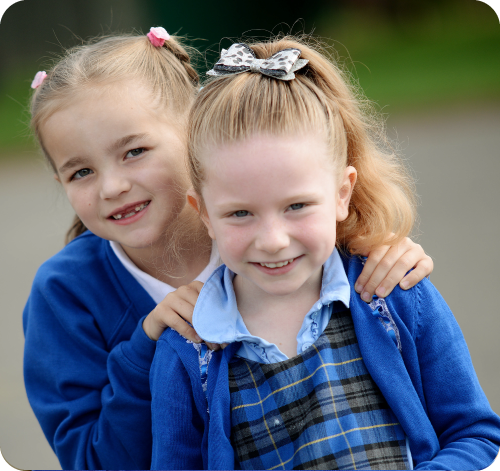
272,204
120,163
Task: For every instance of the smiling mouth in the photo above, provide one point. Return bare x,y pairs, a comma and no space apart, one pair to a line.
131,212
277,264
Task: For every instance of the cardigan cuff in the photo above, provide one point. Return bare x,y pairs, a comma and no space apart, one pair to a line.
140,349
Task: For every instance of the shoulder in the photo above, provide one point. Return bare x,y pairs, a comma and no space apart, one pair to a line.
84,276
87,262
411,307
84,251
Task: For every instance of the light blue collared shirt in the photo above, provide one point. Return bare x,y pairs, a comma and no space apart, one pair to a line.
216,317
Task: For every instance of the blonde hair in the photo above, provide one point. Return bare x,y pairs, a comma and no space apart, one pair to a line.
166,71
321,97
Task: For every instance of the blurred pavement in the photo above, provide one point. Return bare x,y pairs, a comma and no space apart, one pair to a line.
455,156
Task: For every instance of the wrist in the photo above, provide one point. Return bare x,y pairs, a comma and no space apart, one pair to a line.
148,330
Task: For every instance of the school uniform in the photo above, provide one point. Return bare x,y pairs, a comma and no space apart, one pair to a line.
87,357
388,385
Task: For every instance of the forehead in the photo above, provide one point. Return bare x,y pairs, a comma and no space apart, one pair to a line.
101,114
274,164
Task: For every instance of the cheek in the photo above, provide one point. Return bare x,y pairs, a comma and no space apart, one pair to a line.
317,233
232,240
81,201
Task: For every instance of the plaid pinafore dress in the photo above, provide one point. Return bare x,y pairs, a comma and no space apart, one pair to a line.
318,410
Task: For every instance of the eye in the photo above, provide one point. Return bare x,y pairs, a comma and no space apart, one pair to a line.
241,213
81,174
296,206
135,152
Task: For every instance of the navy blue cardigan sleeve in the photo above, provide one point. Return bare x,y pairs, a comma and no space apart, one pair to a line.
467,429
86,368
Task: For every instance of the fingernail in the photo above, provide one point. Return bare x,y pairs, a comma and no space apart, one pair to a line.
366,297
358,287
405,284
197,339
380,291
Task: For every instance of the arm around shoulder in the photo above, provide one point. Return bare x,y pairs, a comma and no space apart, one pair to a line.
467,428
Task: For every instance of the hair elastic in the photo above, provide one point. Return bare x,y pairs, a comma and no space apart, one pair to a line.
241,58
39,78
158,36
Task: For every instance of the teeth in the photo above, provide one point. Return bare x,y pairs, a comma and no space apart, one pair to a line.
137,209
278,264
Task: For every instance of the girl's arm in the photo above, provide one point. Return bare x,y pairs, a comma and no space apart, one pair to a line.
388,266
89,390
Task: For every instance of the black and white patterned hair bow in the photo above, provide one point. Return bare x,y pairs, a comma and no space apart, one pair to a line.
240,58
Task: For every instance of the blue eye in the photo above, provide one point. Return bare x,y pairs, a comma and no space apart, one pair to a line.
82,173
296,206
241,214
135,152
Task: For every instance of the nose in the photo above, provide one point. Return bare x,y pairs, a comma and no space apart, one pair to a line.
272,237
113,184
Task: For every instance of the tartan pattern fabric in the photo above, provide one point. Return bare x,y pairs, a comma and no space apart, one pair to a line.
318,410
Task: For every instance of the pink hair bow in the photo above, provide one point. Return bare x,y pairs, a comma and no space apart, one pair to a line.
158,36
38,80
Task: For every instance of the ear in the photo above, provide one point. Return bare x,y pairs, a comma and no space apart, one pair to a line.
194,200
346,186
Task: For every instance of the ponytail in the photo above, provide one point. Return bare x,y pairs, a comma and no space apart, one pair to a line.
77,228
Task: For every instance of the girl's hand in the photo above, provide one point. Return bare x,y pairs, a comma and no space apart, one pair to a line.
175,311
387,265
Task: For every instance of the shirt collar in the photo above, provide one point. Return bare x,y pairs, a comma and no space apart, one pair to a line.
216,317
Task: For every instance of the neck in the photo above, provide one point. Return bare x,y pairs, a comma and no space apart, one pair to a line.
179,256
274,318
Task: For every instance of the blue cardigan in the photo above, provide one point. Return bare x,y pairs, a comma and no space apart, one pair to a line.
87,358
431,387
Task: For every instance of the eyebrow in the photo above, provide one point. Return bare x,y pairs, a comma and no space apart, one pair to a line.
123,141
299,198
71,163
118,144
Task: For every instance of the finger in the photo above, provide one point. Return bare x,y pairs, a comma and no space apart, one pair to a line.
196,286
189,292
370,264
177,304
213,346
422,269
402,266
181,326
384,272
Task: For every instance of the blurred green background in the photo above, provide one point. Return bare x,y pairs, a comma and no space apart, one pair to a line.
406,54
